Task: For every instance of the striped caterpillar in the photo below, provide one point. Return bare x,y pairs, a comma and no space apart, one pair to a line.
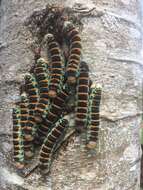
94,117
74,41
24,119
33,98
54,112
56,67
49,98
18,139
41,73
50,143
82,97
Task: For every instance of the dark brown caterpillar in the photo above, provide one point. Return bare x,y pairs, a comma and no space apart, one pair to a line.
74,40
33,98
56,66
24,112
24,121
82,97
42,75
54,112
94,115
50,143
18,139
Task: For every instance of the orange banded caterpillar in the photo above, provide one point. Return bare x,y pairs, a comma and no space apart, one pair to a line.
74,41
94,115
82,97
27,129
41,73
50,143
55,112
18,139
56,67
33,98
24,112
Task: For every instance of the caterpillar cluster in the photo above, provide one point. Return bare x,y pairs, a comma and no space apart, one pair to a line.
56,86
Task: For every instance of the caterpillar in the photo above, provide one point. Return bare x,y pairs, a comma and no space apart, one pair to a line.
82,97
50,143
17,139
94,115
27,126
56,67
54,112
41,73
33,98
24,113
74,40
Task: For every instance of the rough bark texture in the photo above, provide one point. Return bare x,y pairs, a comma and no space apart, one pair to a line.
112,42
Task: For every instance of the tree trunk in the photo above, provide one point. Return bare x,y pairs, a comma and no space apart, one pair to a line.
111,38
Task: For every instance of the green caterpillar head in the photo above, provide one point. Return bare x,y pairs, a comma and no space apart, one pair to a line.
68,25
23,97
27,77
98,87
16,110
41,61
30,78
48,38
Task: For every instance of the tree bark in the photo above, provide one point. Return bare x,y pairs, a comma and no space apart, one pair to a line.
111,38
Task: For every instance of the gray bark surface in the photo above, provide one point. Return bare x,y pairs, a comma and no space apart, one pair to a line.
111,39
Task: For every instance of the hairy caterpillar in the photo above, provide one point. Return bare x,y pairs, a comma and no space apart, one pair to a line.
50,143
74,40
55,111
94,117
33,98
56,67
18,139
82,97
41,73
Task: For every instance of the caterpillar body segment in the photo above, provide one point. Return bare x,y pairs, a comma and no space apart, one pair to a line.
50,143
82,98
18,140
56,67
94,116
75,50
42,76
